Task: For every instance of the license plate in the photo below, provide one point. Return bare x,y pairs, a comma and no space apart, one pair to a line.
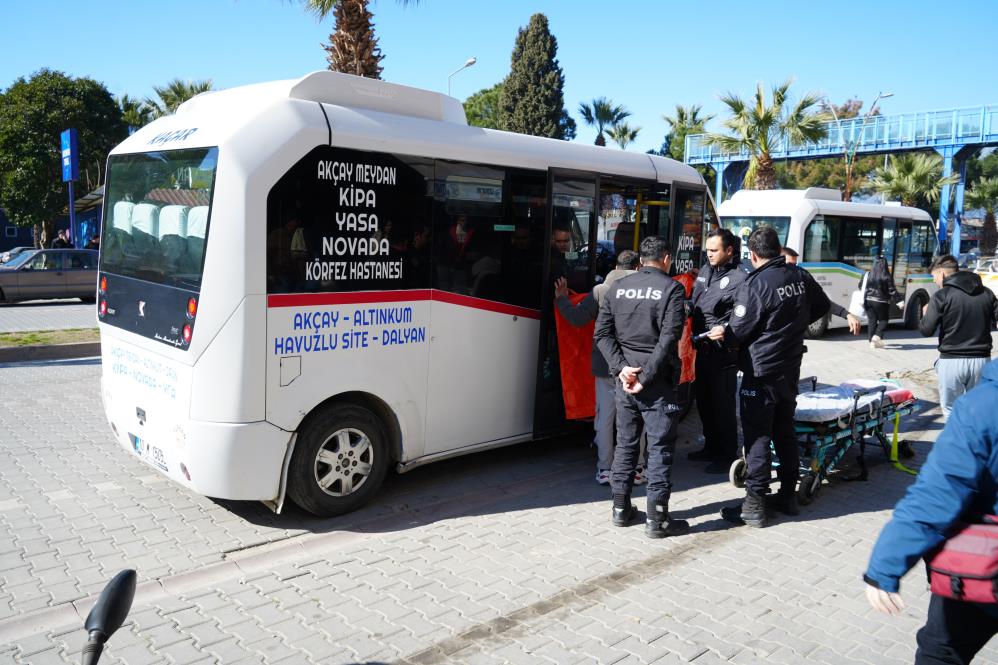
150,453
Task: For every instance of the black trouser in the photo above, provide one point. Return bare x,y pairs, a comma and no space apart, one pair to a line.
652,411
877,313
716,387
954,631
768,406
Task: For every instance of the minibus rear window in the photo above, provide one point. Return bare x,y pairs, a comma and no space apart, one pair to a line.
156,213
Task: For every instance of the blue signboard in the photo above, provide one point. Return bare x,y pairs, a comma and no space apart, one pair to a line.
70,156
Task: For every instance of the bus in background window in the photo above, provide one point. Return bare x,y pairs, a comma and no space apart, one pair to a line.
306,283
837,242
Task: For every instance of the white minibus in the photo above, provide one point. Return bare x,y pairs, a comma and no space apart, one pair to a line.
837,242
305,282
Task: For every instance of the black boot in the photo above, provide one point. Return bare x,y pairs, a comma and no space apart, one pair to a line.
623,510
751,511
658,524
783,503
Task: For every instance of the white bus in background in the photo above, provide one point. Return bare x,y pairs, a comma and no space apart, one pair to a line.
837,242
305,282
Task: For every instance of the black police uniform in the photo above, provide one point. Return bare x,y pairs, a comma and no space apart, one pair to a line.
639,325
773,307
712,300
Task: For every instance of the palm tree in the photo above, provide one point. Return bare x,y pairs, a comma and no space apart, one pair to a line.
322,8
135,112
622,134
687,120
602,114
984,194
761,129
912,178
173,94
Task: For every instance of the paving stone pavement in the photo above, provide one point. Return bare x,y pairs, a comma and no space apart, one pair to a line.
520,565
47,315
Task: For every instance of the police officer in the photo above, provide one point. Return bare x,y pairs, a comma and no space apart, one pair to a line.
638,331
773,308
716,365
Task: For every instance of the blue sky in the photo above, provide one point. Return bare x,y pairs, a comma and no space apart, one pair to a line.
648,56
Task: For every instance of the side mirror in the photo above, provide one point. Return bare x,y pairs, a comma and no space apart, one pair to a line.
109,613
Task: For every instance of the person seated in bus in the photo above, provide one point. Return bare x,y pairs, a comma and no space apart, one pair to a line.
524,281
457,251
416,271
279,264
561,244
836,309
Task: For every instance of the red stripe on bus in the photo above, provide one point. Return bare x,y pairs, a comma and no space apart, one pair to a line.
373,297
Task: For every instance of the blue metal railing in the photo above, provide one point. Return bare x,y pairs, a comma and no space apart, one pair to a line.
955,127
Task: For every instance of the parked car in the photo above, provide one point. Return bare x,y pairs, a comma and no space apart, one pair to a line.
988,270
50,273
11,253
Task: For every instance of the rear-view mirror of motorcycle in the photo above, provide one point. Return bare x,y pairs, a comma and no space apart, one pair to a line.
108,614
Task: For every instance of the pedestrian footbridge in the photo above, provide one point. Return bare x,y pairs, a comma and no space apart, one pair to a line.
955,134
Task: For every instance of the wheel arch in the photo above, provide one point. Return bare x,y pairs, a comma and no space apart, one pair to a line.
356,398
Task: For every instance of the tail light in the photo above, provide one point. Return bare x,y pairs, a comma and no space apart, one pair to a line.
102,310
187,332
192,308
103,283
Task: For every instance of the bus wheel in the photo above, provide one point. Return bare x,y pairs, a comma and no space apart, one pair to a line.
818,328
913,310
339,461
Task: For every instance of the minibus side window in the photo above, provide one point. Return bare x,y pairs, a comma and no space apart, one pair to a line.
821,239
923,246
348,220
860,241
488,226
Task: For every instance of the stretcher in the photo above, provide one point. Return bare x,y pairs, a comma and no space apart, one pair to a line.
830,421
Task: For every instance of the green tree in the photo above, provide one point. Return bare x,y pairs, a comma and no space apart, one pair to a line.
134,112
760,129
322,8
913,178
532,100
602,113
482,108
353,48
687,120
173,94
623,134
984,194
33,112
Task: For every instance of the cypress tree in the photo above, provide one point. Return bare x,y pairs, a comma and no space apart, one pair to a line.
353,48
532,99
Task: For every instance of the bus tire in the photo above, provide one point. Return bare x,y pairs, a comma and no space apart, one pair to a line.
339,461
818,328
913,310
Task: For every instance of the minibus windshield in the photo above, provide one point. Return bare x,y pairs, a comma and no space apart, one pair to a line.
156,212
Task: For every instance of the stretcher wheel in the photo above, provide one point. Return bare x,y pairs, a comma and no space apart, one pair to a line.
905,450
810,483
736,474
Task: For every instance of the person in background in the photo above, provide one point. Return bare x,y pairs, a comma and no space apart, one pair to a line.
855,325
964,311
93,243
880,293
579,315
60,241
957,483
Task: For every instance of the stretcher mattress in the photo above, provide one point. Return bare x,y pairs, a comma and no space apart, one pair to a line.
836,402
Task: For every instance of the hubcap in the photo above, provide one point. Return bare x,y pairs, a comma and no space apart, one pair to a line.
344,462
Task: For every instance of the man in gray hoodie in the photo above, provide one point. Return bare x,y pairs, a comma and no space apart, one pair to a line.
606,411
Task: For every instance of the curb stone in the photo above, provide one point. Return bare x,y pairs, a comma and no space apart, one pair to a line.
10,354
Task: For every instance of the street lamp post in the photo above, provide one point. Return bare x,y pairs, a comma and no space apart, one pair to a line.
467,64
849,147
